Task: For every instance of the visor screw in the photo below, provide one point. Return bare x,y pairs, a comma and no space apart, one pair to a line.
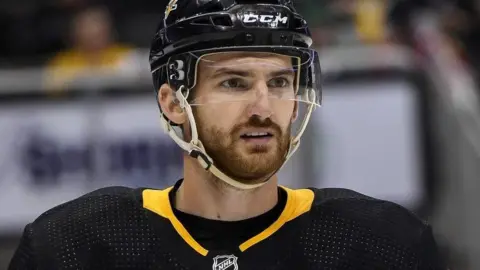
249,37
283,39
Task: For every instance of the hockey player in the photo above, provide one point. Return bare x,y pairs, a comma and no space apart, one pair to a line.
232,77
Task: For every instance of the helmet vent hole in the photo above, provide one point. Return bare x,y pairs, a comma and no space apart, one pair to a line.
201,21
222,20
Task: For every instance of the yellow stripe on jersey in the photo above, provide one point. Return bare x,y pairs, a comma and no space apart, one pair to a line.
158,202
298,202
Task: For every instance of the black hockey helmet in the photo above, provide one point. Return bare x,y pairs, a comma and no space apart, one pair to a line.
227,25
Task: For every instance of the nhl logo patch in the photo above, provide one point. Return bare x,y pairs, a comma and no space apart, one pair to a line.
225,262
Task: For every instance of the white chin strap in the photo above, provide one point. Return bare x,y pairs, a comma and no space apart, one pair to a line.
196,150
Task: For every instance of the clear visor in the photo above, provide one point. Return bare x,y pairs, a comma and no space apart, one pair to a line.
275,77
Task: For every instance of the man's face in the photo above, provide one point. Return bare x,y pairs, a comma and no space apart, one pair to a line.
92,30
243,106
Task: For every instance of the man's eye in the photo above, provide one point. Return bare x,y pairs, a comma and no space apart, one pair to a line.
279,83
233,83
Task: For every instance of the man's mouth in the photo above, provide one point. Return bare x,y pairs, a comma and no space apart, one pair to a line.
256,135
257,138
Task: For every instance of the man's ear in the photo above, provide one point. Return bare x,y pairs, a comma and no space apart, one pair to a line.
170,105
295,112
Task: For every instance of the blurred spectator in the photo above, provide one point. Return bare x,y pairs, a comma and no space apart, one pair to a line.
461,21
371,20
336,22
94,50
458,20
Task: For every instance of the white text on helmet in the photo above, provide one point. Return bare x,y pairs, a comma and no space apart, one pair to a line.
264,18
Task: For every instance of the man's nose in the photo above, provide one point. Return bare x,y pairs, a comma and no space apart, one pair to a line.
260,106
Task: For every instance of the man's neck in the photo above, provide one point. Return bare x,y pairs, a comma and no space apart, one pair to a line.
203,195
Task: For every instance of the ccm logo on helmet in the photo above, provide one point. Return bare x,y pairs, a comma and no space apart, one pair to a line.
264,18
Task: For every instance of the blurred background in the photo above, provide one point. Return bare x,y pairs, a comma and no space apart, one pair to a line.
400,119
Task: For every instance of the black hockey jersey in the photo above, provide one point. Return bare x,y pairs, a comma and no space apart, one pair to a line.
317,229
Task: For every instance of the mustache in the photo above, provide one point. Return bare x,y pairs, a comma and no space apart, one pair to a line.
256,122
